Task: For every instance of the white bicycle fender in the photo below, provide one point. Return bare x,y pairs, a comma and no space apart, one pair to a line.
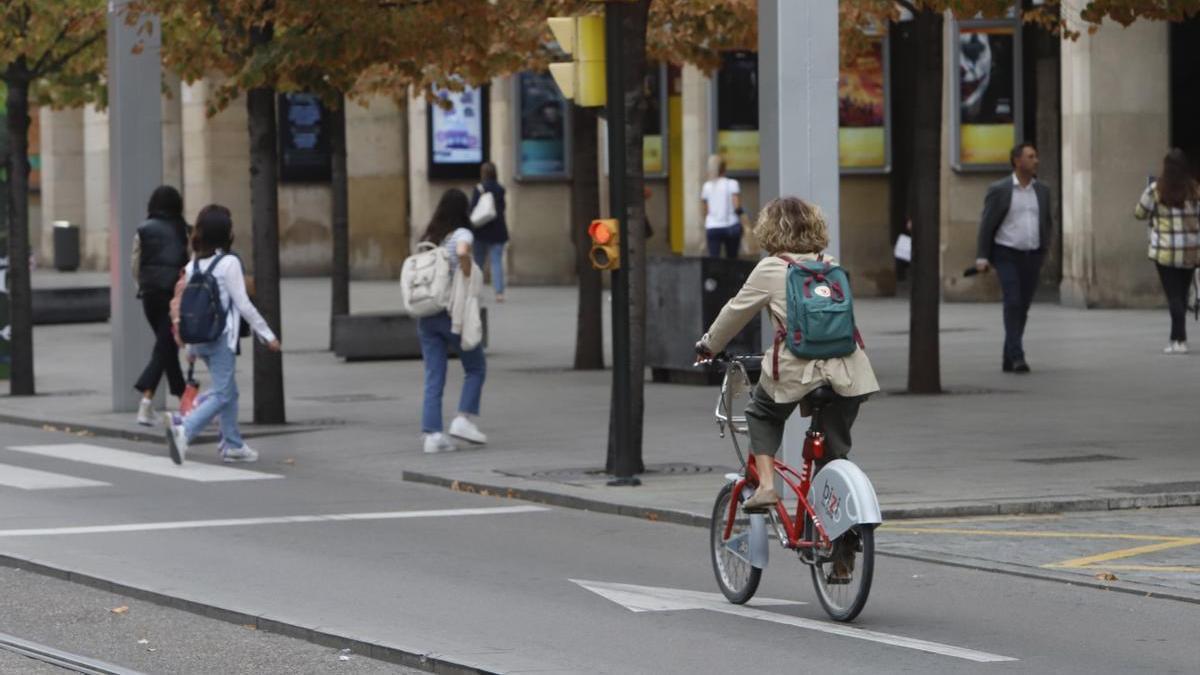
760,543
842,496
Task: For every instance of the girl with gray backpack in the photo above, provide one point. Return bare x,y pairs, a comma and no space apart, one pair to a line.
211,307
450,231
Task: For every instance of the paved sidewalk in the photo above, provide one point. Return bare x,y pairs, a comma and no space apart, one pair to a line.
1105,421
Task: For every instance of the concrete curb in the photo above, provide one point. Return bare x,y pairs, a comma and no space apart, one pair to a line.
906,513
136,435
401,655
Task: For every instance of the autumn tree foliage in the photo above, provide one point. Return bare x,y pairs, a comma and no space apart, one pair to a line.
51,52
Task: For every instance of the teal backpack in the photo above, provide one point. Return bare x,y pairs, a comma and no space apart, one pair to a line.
820,311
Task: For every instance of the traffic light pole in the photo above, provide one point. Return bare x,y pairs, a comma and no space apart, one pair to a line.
622,417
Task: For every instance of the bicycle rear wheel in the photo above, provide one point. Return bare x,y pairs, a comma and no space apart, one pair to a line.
844,598
737,578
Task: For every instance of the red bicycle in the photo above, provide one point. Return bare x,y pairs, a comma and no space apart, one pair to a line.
832,524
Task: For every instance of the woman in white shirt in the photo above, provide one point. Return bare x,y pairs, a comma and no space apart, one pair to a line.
722,204
450,227
212,238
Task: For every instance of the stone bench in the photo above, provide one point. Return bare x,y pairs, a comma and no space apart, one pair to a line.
374,336
81,304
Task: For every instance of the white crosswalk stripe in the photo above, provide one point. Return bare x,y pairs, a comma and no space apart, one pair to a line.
142,463
32,479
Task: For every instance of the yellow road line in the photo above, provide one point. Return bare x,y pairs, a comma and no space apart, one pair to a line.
1090,560
1153,568
1044,534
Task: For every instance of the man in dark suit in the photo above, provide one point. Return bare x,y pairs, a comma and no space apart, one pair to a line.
1014,235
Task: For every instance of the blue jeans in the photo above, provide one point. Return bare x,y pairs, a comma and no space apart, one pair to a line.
436,341
1018,272
729,237
482,248
222,400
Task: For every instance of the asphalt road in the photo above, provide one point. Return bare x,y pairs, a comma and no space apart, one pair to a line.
475,580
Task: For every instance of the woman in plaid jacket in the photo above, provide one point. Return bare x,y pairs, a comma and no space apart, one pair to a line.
1172,205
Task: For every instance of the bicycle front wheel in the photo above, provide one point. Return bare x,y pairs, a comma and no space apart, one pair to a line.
842,578
737,578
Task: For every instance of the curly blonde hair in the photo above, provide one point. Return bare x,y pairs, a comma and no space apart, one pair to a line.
791,225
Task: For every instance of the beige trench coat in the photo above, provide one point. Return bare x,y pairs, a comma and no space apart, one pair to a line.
766,289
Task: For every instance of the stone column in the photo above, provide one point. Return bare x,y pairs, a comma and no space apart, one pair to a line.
216,161
95,226
377,162
62,174
172,134
421,194
697,146
1115,131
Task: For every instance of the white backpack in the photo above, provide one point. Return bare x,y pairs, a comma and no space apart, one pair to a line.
425,281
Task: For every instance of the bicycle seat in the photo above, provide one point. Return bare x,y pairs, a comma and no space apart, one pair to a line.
820,397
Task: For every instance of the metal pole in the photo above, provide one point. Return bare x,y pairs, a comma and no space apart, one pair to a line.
135,169
614,49
798,121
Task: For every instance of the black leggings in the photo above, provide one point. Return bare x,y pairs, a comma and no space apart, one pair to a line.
1176,282
165,357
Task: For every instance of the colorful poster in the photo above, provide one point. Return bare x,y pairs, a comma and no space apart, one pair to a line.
305,153
987,87
652,122
542,146
458,130
862,126
737,112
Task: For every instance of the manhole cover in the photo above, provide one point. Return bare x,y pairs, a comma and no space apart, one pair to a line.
318,422
348,398
944,330
953,391
666,469
1073,459
69,392
1155,488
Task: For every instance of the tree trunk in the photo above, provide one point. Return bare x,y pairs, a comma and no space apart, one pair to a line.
585,206
264,204
340,217
924,368
903,82
20,294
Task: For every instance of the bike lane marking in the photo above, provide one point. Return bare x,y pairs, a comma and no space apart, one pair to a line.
277,520
126,460
655,599
32,479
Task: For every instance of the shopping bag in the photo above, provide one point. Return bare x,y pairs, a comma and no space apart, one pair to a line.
190,391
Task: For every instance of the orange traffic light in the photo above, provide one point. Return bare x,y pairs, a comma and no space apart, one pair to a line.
606,244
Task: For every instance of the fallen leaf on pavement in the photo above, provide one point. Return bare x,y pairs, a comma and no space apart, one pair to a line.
249,626
1106,576
119,610
143,641
289,460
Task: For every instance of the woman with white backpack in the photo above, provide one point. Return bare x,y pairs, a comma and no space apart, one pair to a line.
450,231
491,229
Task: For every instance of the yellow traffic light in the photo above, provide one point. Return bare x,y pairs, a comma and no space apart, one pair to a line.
581,37
606,244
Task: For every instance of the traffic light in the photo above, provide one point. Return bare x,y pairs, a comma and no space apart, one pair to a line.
606,244
582,38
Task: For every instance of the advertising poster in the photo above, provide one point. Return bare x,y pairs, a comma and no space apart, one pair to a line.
457,137
737,112
987,94
862,126
652,140
542,146
305,154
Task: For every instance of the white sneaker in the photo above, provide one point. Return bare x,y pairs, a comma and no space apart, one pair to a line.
177,441
145,415
437,442
1181,348
464,429
243,454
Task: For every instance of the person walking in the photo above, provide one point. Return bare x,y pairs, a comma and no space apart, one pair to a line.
1172,205
211,244
492,236
160,250
1014,235
450,227
722,207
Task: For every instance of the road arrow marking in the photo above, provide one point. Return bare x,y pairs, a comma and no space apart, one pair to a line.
656,599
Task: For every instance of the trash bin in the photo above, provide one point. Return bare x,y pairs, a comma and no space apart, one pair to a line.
684,296
66,246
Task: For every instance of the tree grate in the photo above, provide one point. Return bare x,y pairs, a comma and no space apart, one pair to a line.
1073,459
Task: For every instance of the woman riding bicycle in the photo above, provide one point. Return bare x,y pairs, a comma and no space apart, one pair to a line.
788,227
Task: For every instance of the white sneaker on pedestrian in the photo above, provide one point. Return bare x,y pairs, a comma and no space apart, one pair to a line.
437,442
243,454
1181,348
145,415
464,429
177,441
